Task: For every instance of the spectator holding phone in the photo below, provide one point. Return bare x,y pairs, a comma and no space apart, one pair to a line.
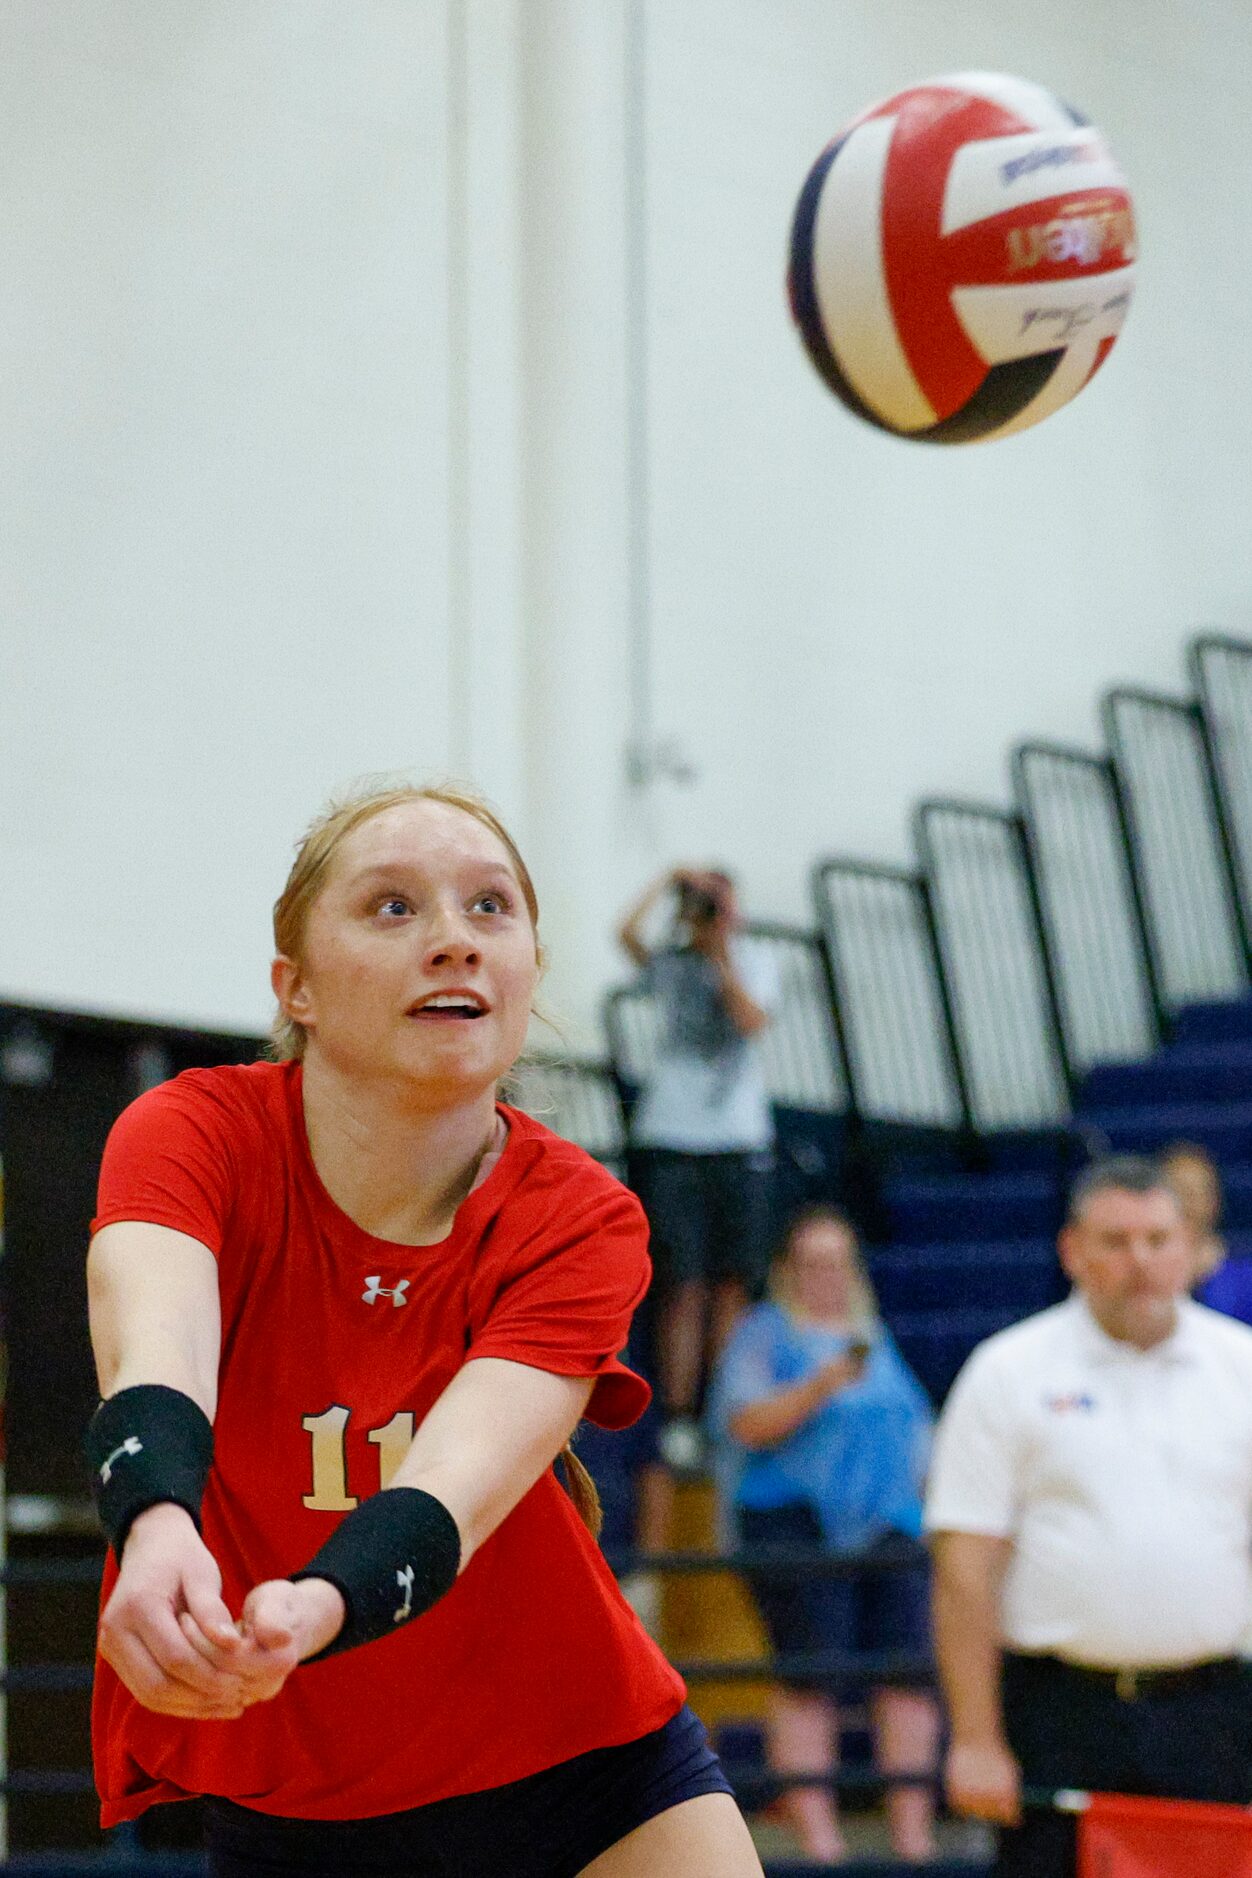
825,1433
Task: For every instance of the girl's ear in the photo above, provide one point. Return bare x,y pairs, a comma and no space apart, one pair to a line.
294,998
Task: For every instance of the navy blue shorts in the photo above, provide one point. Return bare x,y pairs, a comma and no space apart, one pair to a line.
550,1825
883,1612
711,1215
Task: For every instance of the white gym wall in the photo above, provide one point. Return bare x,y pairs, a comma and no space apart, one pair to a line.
408,385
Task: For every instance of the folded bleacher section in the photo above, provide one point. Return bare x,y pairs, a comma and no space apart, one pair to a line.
1053,977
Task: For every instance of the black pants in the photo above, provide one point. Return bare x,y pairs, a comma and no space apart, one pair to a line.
711,1215
1190,1739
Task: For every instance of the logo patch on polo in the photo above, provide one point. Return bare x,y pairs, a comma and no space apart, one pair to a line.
1076,1403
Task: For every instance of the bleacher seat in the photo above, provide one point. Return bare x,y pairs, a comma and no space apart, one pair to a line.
1183,1074
1020,1274
968,1208
1220,1022
936,1343
1237,1194
1224,1128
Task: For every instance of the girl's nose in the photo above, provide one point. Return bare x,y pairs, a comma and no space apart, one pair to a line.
451,940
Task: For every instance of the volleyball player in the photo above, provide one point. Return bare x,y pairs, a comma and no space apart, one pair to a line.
348,1311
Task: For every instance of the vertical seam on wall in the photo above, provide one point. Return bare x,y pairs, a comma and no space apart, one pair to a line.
640,729
459,645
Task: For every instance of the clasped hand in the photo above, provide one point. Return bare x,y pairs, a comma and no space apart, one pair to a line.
169,1635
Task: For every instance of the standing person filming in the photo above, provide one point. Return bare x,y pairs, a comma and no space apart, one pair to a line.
827,1431
1090,1506
702,1133
348,1309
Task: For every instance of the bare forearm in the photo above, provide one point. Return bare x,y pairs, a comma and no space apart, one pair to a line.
967,1643
981,1775
154,1311
495,1429
774,1418
745,1013
630,932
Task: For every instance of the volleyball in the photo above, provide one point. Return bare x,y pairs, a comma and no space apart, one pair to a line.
962,258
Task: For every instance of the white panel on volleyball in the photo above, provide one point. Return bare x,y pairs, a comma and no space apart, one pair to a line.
1044,316
1001,173
1040,108
851,286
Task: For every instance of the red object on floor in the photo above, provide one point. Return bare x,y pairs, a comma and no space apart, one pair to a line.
1122,1837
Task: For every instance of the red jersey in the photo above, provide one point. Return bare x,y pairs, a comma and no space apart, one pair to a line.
335,1344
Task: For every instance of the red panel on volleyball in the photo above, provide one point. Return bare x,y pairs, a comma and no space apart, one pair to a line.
917,268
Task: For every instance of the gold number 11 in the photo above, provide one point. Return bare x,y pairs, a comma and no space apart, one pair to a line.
330,1464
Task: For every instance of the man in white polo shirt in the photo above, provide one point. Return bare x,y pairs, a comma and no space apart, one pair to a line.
1090,1511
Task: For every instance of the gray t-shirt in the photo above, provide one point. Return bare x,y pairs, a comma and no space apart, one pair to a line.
706,1093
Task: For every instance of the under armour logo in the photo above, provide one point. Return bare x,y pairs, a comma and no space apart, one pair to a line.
375,1289
131,1445
405,1581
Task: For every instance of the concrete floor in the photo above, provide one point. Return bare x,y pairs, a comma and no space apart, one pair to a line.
959,1840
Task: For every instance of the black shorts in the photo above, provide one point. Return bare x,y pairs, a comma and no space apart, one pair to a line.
550,1825
881,1612
711,1215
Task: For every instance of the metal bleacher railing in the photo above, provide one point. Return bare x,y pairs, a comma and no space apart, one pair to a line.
1178,846
843,1674
575,1098
1091,921
896,1023
975,994
831,1669
970,997
993,961
1221,671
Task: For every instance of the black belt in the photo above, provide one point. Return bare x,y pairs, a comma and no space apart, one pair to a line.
1129,1685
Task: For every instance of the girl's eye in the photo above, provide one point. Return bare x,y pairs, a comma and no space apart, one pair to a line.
494,902
393,904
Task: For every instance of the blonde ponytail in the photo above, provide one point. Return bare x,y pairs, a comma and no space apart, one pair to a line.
582,1491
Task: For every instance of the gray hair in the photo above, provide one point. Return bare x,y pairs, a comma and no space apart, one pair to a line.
1121,1173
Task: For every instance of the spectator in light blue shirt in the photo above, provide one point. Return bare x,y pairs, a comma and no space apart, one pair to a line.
823,1434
